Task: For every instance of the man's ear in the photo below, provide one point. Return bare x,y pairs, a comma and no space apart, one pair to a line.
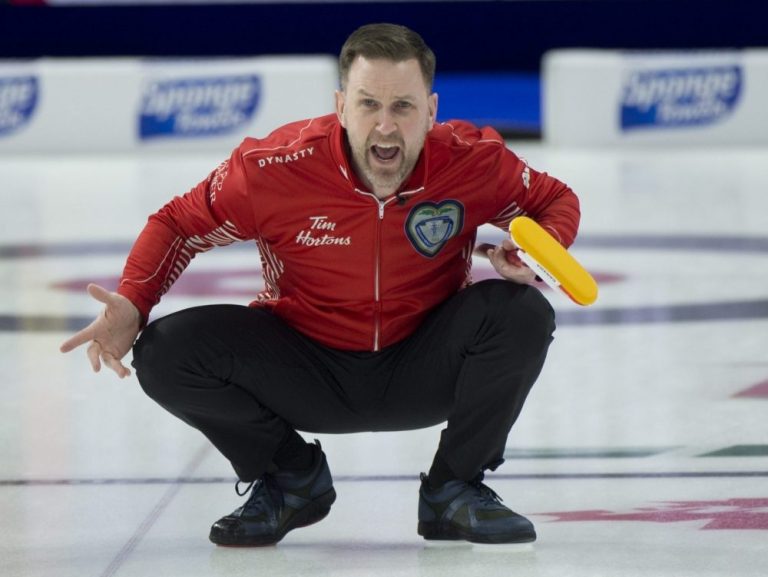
340,102
432,105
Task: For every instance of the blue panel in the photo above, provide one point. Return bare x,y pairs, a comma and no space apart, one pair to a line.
510,102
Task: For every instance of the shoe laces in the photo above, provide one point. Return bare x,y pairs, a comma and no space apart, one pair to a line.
487,495
245,491
259,500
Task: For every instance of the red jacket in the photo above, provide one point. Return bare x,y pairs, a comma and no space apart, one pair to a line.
344,268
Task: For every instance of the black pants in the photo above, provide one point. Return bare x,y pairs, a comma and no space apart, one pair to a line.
245,379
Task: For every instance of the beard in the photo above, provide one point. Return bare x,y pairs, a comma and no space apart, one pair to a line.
385,179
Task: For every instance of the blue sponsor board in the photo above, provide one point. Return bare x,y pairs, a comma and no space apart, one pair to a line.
198,107
680,97
18,100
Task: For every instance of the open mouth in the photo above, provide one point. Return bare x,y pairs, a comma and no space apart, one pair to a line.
385,152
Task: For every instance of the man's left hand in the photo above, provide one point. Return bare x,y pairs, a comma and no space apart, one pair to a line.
506,262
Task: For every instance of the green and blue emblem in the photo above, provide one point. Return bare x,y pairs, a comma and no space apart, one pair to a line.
430,225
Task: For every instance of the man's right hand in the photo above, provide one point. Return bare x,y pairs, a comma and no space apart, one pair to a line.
111,335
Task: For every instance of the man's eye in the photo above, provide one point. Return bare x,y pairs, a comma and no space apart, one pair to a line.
403,105
369,103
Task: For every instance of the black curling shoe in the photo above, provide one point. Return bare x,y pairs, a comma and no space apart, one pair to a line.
277,504
469,511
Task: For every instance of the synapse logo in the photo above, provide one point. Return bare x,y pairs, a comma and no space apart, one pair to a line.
198,107
679,97
18,99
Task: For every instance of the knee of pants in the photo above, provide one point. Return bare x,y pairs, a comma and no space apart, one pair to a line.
506,299
152,353
515,307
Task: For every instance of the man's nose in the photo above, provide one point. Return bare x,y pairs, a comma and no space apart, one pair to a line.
386,124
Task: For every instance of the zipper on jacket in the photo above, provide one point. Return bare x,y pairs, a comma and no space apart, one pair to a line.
377,281
381,204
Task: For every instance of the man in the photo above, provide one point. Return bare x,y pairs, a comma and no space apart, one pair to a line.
365,222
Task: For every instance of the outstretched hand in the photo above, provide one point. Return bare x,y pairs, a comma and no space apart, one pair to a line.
506,262
111,335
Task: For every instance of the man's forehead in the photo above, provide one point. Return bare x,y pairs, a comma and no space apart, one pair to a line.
361,60
370,74
361,91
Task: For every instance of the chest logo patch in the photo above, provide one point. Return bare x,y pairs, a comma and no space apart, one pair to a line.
430,225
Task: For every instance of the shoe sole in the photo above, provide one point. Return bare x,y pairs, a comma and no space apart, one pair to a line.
315,511
451,532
